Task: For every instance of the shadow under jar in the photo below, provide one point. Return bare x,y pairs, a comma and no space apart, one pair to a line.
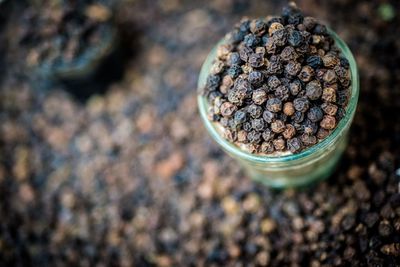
312,164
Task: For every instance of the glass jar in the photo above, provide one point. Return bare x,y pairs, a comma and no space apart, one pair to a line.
314,163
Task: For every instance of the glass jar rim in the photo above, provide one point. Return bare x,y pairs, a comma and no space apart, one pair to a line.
325,143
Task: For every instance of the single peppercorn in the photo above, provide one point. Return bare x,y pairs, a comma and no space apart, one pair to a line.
308,139
280,37
268,116
256,60
254,137
282,92
268,135
242,136
313,90
301,104
294,145
245,52
288,109
306,73
315,114
227,109
277,126
240,117
279,144
258,27
328,122
314,61
322,133
267,147
274,27
292,68
295,38
234,71
274,104
289,54
234,59
251,40
258,124
329,108
329,94
289,132
295,87
273,82
255,111
329,77
256,77
259,96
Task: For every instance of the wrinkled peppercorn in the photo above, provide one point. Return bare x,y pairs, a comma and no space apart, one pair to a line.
328,122
268,135
315,114
289,132
306,73
301,104
295,38
268,116
278,126
259,96
255,111
256,77
313,90
274,104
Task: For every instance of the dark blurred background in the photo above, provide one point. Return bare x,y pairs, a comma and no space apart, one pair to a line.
104,160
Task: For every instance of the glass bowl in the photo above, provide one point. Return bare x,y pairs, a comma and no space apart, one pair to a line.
311,164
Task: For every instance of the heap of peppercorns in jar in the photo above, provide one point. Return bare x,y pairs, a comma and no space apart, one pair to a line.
278,84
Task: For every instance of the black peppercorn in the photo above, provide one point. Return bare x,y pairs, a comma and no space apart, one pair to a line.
274,104
313,90
301,104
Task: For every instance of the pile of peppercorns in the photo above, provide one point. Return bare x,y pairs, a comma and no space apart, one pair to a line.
279,84
59,32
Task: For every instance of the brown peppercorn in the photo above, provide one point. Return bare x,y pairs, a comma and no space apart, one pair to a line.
267,147
259,96
279,144
289,132
227,83
223,51
329,77
274,27
308,139
322,133
288,109
217,67
329,108
306,73
278,126
242,136
329,94
328,122
392,249
230,135
227,109
330,60
289,54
